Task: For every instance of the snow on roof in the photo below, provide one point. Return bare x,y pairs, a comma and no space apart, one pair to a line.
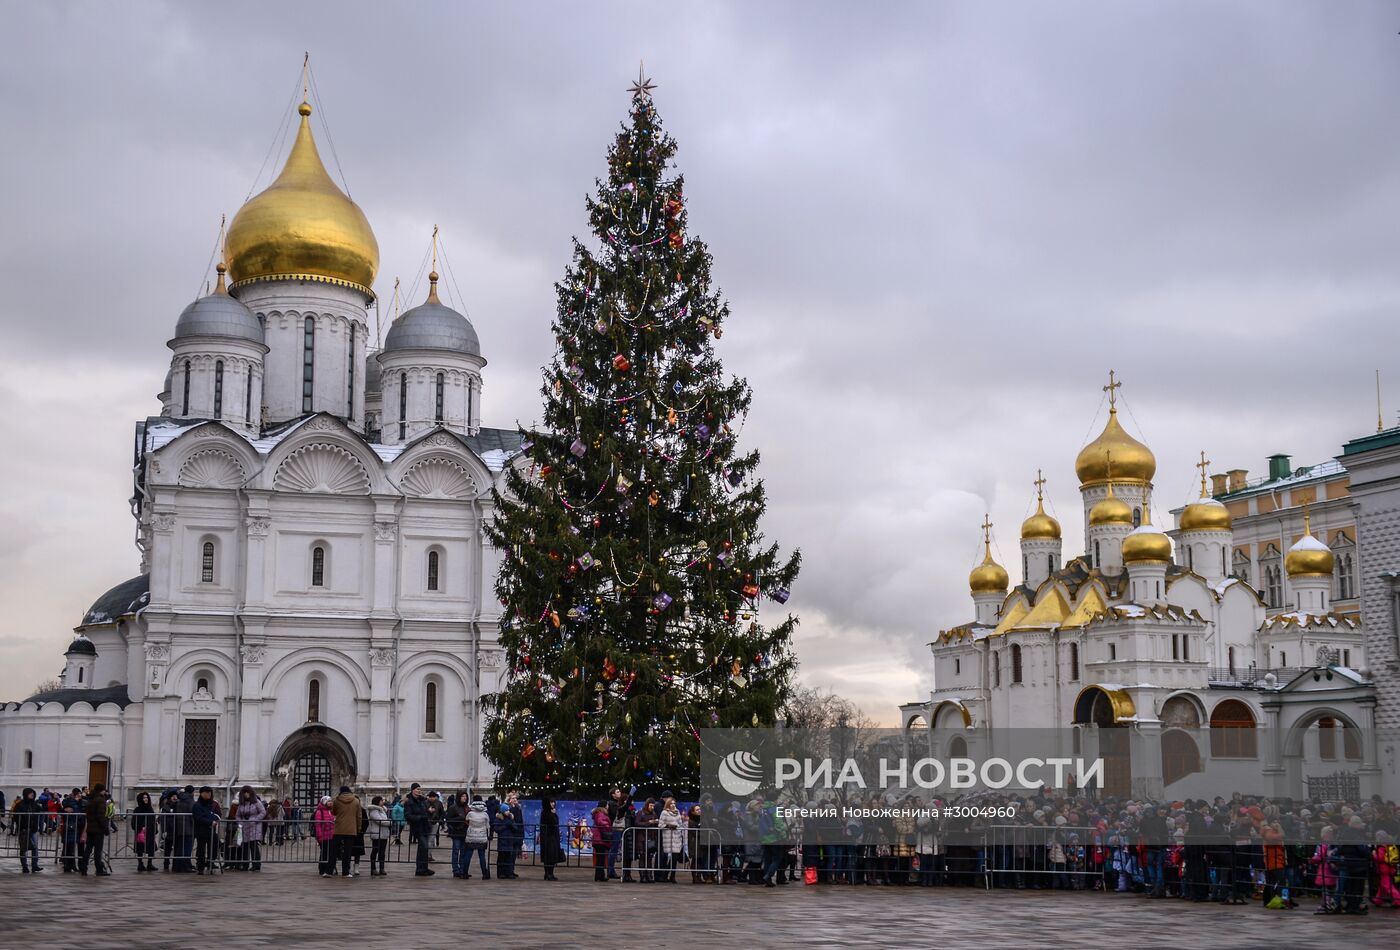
1309,543
1225,585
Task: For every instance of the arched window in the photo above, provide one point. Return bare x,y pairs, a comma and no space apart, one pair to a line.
313,701
206,563
1073,662
1098,561
403,406
219,389
470,392
1232,733
202,684
433,560
80,674
350,378
308,362
996,668
437,411
1025,565
1015,662
318,566
248,398
1137,517
430,707
957,749
1190,558
185,400
1223,570
1241,566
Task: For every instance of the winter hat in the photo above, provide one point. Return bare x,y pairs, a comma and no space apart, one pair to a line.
344,789
325,799
1061,820
413,786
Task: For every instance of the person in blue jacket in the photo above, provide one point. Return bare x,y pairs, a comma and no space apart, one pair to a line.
205,815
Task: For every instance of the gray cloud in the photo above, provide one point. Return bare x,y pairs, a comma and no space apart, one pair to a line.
938,226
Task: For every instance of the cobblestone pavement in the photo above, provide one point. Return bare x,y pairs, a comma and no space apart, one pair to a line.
289,908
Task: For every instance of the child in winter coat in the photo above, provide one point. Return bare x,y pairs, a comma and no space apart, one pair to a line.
1385,856
323,826
1325,860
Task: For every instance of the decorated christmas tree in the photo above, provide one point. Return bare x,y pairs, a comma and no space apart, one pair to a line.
641,601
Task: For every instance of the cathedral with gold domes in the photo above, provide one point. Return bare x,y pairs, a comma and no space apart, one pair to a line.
1149,648
314,604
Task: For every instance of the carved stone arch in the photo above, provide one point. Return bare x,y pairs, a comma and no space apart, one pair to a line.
322,468
311,655
440,661
438,477
187,662
211,468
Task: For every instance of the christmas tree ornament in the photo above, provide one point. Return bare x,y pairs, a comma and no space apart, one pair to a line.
623,483
750,591
586,561
780,594
528,751
662,600
578,448
621,363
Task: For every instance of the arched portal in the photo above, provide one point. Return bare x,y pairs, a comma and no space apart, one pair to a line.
1109,711
312,762
1180,756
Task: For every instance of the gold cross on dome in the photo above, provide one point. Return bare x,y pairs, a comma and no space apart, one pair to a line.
1203,464
987,528
1039,485
643,86
1111,390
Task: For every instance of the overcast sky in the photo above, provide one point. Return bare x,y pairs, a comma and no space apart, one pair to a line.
938,226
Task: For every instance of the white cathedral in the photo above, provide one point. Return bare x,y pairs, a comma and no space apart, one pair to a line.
1149,650
315,600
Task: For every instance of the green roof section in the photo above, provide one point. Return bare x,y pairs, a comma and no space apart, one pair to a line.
1378,440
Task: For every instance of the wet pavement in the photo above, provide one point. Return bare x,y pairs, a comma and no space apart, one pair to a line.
289,907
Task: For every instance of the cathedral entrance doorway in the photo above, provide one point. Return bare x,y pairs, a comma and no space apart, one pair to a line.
1103,710
313,762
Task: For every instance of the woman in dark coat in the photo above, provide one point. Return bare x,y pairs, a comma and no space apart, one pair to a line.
143,832
551,854
95,828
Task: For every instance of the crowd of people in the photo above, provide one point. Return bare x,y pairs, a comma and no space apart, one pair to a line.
1342,855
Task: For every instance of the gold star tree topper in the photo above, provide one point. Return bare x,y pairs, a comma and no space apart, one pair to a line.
643,86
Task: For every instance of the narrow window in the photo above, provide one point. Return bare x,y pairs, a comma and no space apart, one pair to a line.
437,413
248,398
29,758
313,701
432,571
403,406
1098,561
1025,565
1230,660
1283,660
470,392
206,567
308,362
1137,517
350,385
1190,558
1015,662
1346,658
1113,651
1074,662
80,674
430,723
219,389
202,684
957,666
199,746
1223,572
1176,647
185,401
318,566
1186,646
996,669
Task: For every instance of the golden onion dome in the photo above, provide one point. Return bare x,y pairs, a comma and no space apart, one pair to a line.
303,227
1040,526
1309,556
1206,514
989,577
1111,510
1114,454
1146,544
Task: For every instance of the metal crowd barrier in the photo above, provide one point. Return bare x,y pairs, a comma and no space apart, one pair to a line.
282,841
643,855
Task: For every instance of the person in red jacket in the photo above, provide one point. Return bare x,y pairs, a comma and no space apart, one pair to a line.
602,837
